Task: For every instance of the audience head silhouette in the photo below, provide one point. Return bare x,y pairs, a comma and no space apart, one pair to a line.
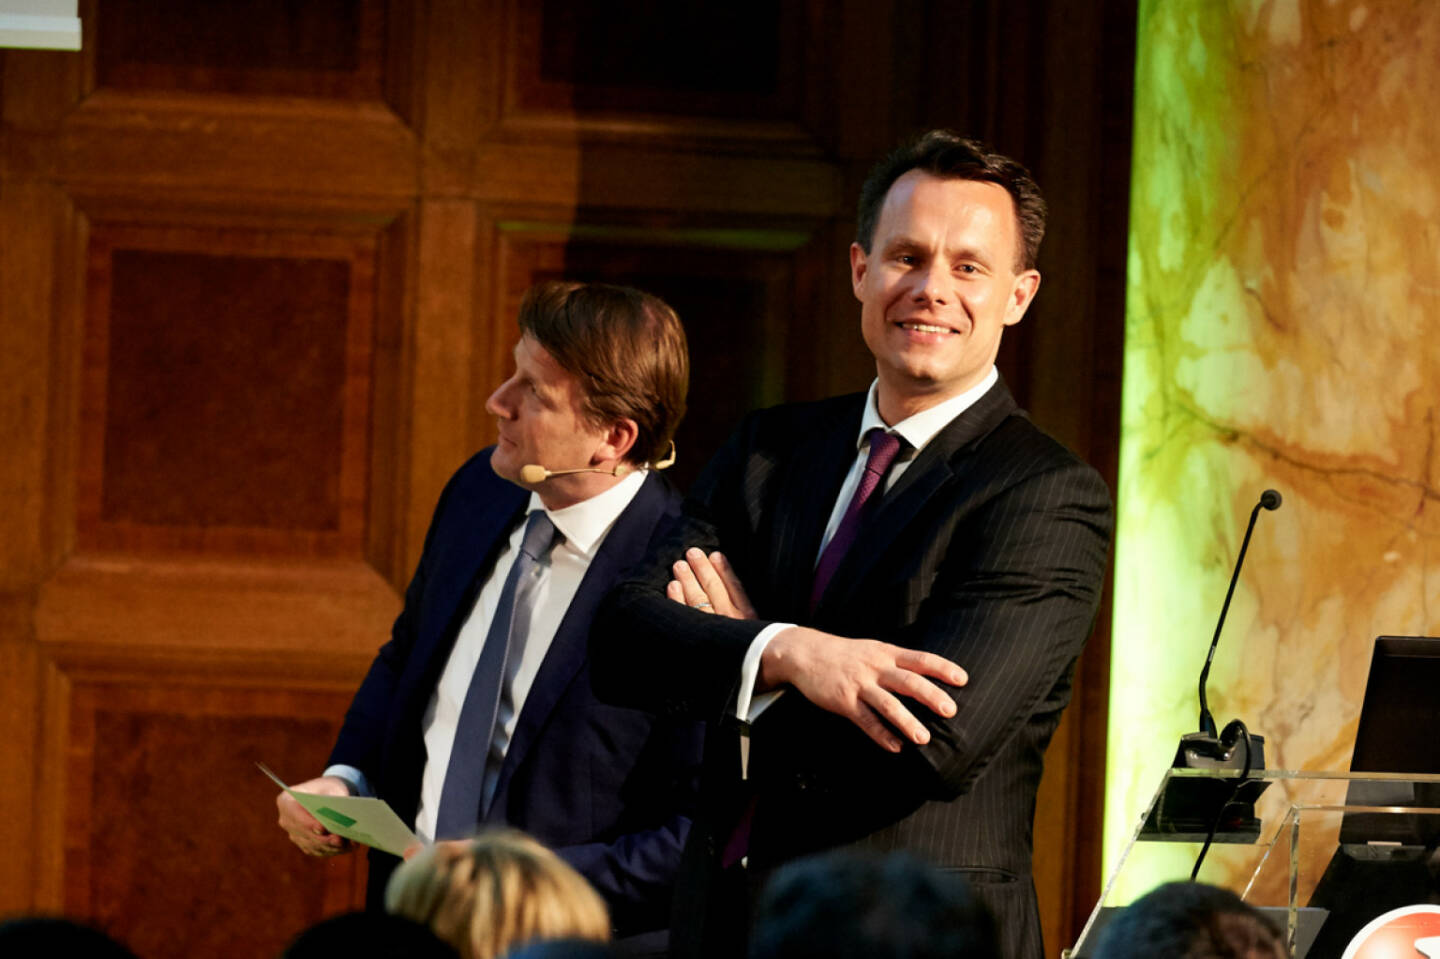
845,905
368,935
488,895
1190,920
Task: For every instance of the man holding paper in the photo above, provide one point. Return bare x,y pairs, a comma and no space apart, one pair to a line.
478,712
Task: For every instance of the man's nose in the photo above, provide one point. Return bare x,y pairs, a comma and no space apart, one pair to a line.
497,404
931,283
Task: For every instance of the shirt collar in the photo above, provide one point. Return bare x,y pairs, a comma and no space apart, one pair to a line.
585,523
921,428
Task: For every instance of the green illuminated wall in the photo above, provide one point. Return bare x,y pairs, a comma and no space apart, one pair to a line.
1281,330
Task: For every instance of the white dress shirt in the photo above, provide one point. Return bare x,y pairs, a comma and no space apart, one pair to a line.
584,527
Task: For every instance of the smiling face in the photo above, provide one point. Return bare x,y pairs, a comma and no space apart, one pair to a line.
540,421
938,287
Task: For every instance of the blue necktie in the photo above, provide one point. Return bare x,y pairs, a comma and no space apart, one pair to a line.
461,795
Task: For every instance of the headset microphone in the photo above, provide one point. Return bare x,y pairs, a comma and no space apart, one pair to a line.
533,474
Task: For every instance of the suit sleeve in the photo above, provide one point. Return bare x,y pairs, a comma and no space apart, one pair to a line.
649,652
1010,595
363,732
1012,601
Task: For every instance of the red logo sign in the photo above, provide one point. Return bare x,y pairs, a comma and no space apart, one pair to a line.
1405,933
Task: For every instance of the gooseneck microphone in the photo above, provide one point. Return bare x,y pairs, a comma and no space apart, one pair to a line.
533,474
1190,805
1270,500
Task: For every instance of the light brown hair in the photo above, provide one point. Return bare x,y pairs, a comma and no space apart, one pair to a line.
627,349
488,895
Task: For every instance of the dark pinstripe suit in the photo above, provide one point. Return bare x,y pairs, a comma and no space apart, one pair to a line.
990,550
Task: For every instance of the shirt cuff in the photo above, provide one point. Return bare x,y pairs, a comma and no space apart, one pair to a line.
749,706
359,785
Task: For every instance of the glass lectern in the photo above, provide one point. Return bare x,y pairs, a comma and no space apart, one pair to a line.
1322,853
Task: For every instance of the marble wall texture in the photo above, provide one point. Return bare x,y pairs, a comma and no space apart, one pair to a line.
1281,331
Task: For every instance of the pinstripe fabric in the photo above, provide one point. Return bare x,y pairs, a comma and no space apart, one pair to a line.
990,550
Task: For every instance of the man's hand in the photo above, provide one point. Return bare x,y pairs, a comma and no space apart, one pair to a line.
708,583
861,679
312,838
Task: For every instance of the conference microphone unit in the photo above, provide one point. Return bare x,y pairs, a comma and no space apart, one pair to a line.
1216,809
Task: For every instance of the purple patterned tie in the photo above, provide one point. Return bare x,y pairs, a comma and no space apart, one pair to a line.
883,449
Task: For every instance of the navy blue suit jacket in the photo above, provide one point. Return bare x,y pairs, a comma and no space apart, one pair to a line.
990,550
609,789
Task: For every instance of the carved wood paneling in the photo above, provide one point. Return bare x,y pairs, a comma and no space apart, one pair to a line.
227,391
166,146
39,253
712,70
193,603
171,828
658,58
20,687
327,48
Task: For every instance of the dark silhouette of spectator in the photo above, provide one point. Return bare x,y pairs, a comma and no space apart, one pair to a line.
369,935
1190,920
43,937
565,949
848,905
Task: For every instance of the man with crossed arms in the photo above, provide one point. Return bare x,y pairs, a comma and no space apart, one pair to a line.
884,541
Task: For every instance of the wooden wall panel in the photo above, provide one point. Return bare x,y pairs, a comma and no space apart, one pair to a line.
167,146
38,229
327,48
20,691
171,828
581,60
246,430
448,371
739,75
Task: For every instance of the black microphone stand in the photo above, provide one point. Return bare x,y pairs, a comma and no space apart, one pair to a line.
1191,807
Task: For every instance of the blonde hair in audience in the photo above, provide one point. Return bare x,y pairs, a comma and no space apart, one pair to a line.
502,889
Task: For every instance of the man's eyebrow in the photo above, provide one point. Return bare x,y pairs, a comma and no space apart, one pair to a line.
901,243
970,253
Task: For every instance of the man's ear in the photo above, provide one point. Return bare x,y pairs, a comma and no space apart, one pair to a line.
1026,284
859,263
617,442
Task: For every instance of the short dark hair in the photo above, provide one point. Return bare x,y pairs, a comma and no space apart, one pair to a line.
369,935
625,346
854,905
25,936
1190,920
948,155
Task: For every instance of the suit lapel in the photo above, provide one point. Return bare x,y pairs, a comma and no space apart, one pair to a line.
932,470
625,544
807,496
483,528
